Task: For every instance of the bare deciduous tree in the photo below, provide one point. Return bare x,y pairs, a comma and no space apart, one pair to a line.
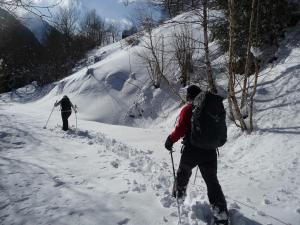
174,7
247,64
144,16
93,26
184,46
42,11
233,104
256,69
154,56
114,29
66,20
157,61
249,87
209,72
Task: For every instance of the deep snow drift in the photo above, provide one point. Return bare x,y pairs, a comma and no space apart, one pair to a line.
112,174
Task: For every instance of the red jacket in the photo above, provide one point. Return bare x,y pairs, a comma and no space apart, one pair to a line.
184,123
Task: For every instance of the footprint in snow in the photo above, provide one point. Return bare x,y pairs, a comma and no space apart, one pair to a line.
115,163
234,206
18,143
201,211
174,214
71,213
167,201
123,192
4,206
128,181
58,183
124,221
133,164
261,213
165,219
80,182
22,199
139,188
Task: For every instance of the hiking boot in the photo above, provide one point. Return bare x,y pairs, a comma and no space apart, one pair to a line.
180,194
220,216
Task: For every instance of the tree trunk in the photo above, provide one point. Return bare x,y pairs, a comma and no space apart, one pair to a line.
247,64
252,95
256,70
210,79
231,89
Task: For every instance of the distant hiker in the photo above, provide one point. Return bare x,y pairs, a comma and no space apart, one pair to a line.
66,107
202,152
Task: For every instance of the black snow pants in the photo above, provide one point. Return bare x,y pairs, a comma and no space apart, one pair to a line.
64,116
206,160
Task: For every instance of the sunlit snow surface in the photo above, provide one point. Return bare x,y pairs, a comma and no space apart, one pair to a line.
108,174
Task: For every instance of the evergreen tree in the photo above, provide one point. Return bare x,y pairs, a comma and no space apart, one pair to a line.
273,18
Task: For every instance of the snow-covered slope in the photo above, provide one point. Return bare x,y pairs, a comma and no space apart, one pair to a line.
112,174
264,167
114,87
109,91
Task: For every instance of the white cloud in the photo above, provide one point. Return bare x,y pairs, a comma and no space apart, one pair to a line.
126,2
110,10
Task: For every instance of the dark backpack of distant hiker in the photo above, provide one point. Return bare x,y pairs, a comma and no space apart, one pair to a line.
65,105
209,130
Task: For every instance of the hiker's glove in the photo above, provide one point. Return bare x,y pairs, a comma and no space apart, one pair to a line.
169,144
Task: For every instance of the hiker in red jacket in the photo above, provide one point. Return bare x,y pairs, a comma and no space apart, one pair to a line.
205,159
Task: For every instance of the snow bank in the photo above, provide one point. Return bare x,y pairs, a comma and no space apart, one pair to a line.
113,175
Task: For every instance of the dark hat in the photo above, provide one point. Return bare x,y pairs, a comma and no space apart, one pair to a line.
192,91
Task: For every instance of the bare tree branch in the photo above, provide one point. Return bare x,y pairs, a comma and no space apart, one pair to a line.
42,11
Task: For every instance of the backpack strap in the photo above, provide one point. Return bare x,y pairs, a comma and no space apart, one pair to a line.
201,97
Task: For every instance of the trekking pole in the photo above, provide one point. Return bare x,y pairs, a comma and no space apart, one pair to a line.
196,175
76,118
179,216
49,118
76,122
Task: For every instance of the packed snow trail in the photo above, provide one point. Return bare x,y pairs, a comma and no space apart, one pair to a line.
52,177
49,176
110,174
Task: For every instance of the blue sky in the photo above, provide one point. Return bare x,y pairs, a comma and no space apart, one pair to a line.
107,9
112,9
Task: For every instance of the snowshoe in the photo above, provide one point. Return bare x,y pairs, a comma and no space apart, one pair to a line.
219,222
219,217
